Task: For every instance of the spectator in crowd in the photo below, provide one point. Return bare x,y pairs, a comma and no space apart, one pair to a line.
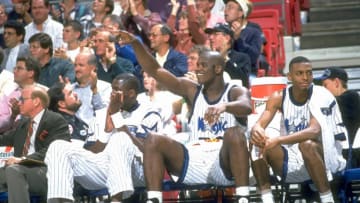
109,64
113,24
237,64
138,19
335,80
214,102
70,10
161,37
263,63
205,15
155,96
14,37
7,84
34,133
312,129
113,164
247,39
21,12
43,23
93,93
41,47
72,34
3,19
189,31
100,8
26,73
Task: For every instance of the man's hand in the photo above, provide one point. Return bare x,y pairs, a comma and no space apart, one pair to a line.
212,114
236,27
93,82
116,100
60,53
110,53
14,105
12,160
271,143
258,137
126,37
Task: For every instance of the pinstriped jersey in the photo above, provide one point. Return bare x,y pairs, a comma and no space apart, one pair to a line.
142,120
199,128
296,116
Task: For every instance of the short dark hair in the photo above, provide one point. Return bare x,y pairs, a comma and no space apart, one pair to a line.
116,19
44,41
46,3
56,94
76,26
31,64
298,59
129,81
17,26
110,5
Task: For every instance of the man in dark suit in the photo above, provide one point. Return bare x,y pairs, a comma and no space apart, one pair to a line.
37,128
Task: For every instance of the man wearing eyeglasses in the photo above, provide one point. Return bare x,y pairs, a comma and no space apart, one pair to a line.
25,172
26,73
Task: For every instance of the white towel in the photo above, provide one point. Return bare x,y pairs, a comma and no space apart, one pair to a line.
324,108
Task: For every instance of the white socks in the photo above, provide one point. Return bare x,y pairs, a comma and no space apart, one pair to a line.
326,197
267,196
244,192
155,194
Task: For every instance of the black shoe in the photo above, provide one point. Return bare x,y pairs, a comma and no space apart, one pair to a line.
153,200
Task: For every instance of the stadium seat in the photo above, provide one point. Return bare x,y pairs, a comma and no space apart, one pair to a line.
350,189
33,198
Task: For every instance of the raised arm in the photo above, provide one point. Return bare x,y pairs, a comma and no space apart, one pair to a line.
152,67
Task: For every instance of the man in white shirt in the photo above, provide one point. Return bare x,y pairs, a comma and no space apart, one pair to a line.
14,33
43,23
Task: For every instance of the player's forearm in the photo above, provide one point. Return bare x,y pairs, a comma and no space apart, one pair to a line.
239,109
301,136
145,59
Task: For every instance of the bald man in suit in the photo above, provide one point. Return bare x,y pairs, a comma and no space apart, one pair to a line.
37,128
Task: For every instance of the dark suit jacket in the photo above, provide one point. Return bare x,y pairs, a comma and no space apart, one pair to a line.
238,66
52,126
176,63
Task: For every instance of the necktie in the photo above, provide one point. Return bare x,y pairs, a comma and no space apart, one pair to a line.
28,138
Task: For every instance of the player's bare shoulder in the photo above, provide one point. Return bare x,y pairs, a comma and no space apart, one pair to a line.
275,99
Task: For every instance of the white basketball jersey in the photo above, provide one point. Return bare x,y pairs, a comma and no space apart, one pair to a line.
296,116
140,121
199,128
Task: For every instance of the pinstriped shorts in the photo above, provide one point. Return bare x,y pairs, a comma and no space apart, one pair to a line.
204,165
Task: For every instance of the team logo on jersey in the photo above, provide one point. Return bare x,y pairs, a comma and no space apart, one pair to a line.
327,111
295,126
218,127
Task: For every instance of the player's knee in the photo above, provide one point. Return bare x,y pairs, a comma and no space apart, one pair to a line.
152,142
235,135
308,148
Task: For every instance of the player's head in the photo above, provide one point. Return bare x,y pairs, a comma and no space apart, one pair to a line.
300,72
210,65
129,87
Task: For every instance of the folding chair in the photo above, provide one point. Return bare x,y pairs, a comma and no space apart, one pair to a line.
350,189
33,198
